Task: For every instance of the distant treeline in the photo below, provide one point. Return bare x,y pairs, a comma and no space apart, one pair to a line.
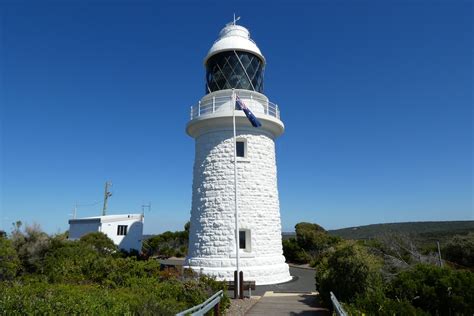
424,230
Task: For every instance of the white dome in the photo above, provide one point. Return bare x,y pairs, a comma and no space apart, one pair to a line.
234,37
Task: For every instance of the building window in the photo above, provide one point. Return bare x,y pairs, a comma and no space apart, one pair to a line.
241,148
244,239
122,230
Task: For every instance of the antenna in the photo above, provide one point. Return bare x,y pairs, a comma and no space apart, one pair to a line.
146,206
107,194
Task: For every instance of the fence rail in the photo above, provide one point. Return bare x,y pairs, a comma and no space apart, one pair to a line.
337,306
224,103
201,309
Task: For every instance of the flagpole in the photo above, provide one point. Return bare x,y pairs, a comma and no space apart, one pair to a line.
237,241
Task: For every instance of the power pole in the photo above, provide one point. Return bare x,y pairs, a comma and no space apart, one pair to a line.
74,212
107,194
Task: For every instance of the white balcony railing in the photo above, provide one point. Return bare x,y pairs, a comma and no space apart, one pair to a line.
223,104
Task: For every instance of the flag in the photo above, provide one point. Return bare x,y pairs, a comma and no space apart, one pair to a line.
241,106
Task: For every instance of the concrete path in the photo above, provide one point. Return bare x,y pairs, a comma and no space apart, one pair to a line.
276,304
303,281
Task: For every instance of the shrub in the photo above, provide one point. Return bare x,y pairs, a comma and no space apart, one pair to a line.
293,252
101,243
31,244
440,291
350,271
311,242
9,262
168,244
460,249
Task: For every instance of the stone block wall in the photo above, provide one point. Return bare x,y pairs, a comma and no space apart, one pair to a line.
212,236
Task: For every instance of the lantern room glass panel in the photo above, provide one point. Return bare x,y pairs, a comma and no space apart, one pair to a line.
234,69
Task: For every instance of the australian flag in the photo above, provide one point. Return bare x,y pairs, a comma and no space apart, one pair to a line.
241,106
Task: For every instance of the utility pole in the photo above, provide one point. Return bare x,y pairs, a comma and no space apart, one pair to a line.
107,194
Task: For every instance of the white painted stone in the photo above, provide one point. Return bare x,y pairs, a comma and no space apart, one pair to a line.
212,241
212,237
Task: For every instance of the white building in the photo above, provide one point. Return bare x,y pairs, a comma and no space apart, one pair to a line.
126,231
235,62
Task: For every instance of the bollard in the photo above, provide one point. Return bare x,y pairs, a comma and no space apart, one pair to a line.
235,285
241,285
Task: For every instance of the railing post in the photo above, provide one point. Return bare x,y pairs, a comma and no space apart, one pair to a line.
213,104
216,309
199,108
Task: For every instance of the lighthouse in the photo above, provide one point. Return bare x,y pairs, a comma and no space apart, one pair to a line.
235,212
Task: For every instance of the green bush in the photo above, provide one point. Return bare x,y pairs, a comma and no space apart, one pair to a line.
142,296
100,242
376,303
349,272
439,291
310,244
293,252
460,249
9,262
30,244
168,244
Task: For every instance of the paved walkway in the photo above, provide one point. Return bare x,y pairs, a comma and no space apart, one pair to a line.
276,304
296,297
303,281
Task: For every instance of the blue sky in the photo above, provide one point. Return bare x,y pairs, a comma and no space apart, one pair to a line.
376,97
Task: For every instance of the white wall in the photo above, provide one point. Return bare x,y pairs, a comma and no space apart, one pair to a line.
133,239
212,239
79,229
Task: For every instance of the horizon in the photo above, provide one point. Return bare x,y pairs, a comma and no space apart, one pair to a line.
376,99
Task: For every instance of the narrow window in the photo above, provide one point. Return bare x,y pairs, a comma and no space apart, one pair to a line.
245,240
242,239
240,148
122,230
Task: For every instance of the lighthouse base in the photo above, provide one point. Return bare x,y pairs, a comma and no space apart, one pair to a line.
266,270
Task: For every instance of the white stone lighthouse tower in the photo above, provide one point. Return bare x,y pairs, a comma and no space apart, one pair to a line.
234,68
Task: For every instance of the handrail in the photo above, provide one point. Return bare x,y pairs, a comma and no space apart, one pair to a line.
211,105
337,306
203,308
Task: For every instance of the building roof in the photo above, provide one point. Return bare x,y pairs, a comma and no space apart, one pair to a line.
106,218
